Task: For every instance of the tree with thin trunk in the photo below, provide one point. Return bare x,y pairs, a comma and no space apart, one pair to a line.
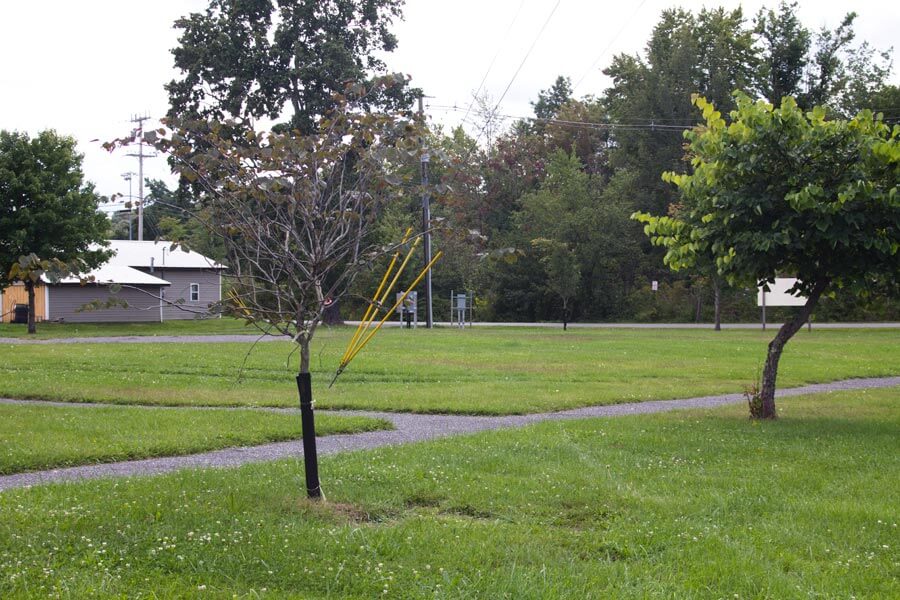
295,213
780,191
563,273
49,223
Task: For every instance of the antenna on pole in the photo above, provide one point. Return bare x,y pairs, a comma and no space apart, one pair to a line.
139,134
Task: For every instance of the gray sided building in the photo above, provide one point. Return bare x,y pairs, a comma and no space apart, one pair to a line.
144,281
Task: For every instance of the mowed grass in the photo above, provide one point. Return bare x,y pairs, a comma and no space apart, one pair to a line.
45,331
699,504
42,437
481,371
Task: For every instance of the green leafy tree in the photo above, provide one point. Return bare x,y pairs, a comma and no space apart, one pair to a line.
780,191
551,100
282,60
172,215
822,68
549,103
562,270
555,221
784,43
49,223
582,126
710,53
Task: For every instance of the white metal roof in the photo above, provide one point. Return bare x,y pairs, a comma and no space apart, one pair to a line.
120,274
158,254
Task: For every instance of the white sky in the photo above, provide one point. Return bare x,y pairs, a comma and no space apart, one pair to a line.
85,67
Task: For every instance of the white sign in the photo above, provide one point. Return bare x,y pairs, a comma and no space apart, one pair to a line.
778,294
654,286
409,303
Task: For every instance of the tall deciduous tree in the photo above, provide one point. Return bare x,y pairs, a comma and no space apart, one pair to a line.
823,68
780,191
48,214
710,53
281,60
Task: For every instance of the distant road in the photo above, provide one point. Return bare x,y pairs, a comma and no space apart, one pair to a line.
666,325
223,338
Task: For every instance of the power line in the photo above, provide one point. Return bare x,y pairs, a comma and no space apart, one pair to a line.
521,64
609,45
649,124
493,60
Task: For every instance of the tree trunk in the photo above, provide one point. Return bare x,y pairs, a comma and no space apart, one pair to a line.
698,307
717,303
307,418
29,287
766,408
565,315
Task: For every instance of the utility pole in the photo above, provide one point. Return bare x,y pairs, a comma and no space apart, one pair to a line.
426,226
140,156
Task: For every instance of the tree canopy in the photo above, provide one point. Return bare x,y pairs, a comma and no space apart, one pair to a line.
48,214
780,191
281,60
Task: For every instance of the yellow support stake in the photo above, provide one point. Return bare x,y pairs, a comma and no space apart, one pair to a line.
390,287
234,298
400,301
364,324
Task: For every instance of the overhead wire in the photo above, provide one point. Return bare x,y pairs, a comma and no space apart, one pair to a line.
519,68
648,124
609,45
493,60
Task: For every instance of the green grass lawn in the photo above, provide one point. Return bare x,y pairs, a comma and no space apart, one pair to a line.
42,437
700,504
482,371
46,331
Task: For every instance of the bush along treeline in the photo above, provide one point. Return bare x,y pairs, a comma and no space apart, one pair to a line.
533,214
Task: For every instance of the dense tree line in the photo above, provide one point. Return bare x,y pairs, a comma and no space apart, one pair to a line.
555,193
535,218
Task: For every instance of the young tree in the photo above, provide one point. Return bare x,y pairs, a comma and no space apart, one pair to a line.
780,191
295,214
48,214
562,270
556,220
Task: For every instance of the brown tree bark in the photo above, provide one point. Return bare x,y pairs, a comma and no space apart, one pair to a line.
776,346
29,287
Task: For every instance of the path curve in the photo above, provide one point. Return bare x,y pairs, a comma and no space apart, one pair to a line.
409,428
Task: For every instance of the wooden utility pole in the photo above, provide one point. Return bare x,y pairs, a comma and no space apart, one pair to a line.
426,227
140,156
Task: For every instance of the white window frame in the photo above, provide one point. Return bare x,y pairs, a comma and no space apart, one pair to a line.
195,292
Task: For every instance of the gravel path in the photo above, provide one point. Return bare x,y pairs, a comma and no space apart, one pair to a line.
151,339
409,428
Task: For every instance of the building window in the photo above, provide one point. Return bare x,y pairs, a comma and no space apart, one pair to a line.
195,292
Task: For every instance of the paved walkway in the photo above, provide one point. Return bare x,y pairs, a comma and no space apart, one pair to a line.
242,337
409,428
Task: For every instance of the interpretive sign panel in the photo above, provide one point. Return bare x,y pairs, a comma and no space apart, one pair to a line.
778,294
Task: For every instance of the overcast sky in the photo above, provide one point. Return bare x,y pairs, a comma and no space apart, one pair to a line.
86,67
